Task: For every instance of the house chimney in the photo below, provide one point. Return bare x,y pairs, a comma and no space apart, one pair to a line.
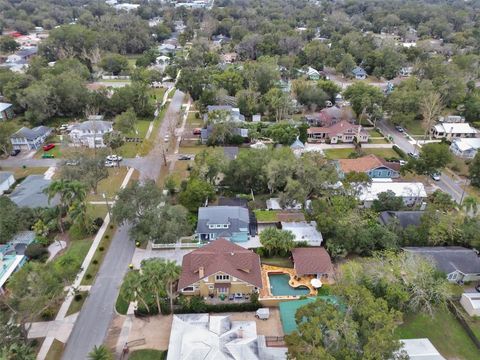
201,272
240,333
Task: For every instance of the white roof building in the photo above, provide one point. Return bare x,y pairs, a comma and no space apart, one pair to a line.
465,148
304,231
420,349
453,130
412,193
471,303
209,337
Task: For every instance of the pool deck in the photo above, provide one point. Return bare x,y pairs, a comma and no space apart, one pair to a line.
300,281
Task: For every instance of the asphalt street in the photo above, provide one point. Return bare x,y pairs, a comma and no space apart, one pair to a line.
446,183
94,319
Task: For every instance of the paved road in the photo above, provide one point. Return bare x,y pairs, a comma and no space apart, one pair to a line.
446,183
94,319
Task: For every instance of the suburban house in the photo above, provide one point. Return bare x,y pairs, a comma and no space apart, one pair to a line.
372,165
30,193
230,222
6,180
359,73
232,114
220,268
218,337
6,111
312,261
403,219
458,263
30,139
12,256
465,148
313,74
90,133
412,193
419,349
329,116
453,130
304,231
471,303
340,132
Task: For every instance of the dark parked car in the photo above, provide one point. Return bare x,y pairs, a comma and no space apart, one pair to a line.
15,152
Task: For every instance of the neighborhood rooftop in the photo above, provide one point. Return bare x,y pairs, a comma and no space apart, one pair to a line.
312,260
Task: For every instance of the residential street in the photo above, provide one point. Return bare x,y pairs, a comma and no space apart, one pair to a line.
446,183
94,319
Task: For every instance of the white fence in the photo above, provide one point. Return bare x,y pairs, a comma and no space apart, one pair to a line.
176,246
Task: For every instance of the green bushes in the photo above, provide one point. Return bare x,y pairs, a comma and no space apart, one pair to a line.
399,151
36,251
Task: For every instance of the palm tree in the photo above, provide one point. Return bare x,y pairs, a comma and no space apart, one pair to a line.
152,276
100,353
70,192
132,288
170,274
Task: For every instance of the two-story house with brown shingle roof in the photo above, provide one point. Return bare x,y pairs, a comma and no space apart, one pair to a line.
221,267
340,132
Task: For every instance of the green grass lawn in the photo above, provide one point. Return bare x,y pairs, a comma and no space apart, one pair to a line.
57,152
385,153
192,149
98,257
76,305
443,330
56,351
377,141
334,154
97,211
158,93
415,128
148,354
374,133
193,121
277,261
110,185
266,215
19,173
121,305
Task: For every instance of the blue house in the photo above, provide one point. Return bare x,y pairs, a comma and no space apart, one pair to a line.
372,165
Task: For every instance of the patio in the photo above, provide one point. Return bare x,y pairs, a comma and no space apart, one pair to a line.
295,281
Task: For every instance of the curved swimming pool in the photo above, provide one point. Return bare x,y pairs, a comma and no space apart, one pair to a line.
279,286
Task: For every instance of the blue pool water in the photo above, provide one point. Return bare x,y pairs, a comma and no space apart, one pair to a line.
279,286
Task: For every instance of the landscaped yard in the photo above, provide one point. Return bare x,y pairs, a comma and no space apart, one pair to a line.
443,330
334,154
193,121
179,173
110,185
266,215
384,153
147,354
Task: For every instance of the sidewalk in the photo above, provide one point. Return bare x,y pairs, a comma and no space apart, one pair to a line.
61,315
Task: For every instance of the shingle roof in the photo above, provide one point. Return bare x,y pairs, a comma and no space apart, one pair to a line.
30,193
405,218
366,163
221,256
31,134
335,129
237,216
311,260
94,125
450,258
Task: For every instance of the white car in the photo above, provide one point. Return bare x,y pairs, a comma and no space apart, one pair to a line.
114,158
72,163
435,176
166,138
110,164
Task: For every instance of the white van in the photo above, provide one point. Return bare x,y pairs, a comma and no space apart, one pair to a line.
263,313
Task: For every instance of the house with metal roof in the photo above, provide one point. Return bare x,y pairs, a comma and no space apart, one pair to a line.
453,131
304,231
90,133
6,111
465,148
30,193
412,193
230,222
30,139
419,349
458,263
6,180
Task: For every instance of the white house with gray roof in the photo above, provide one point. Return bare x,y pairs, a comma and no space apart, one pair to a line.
458,263
30,139
229,222
90,133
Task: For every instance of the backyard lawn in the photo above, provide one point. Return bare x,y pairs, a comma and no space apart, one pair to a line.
334,154
277,261
443,330
385,153
148,354
266,215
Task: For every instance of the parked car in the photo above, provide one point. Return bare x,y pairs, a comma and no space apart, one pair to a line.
48,156
63,127
402,162
48,147
111,163
412,155
114,158
166,138
435,176
15,152
399,128
263,313
184,157
238,296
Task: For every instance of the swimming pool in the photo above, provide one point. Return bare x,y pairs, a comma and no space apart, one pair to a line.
279,286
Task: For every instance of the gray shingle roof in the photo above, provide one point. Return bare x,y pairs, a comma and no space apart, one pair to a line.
30,193
236,216
405,218
450,258
31,134
94,125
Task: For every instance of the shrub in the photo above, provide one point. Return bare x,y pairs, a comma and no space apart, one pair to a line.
35,251
88,276
48,314
101,248
95,261
301,244
98,222
111,226
399,151
78,297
